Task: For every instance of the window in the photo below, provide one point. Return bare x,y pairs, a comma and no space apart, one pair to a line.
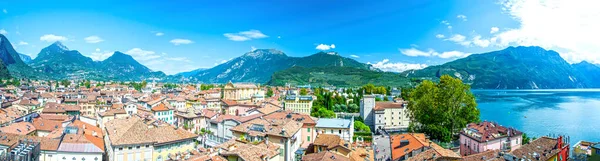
120,149
138,147
147,146
49,156
129,148
308,129
340,131
308,138
332,131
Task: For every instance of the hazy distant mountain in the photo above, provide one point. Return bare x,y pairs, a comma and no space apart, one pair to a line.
121,66
590,71
25,58
190,73
258,66
511,68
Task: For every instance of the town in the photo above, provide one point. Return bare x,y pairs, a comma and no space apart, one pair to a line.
134,121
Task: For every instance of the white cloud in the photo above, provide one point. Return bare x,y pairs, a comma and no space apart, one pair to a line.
385,65
93,39
480,42
181,41
569,27
5,11
99,56
142,55
23,43
494,30
445,23
325,47
354,56
449,27
459,39
246,35
252,48
53,38
159,34
462,17
430,52
279,37
3,32
440,36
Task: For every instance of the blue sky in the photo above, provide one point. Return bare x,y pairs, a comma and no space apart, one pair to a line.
394,35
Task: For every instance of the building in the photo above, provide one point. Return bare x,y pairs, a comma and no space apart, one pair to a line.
220,128
299,104
164,112
325,156
308,130
391,116
284,133
134,139
486,135
241,91
543,149
194,120
243,150
367,104
341,127
416,147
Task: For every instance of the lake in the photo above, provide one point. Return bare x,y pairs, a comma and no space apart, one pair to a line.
571,112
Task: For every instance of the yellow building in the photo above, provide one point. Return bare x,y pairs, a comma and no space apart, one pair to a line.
241,91
131,139
299,104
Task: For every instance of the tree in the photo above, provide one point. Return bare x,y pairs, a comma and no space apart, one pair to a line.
65,82
322,112
303,91
87,84
441,110
269,92
360,126
525,139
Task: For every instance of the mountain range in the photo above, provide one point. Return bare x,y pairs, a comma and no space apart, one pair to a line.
259,65
515,68
511,68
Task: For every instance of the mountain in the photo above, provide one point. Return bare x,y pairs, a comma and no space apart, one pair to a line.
258,66
25,58
190,73
59,62
511,68
11,61
591,71
121,66
336,76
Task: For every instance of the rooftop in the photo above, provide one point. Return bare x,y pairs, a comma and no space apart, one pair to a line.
333,123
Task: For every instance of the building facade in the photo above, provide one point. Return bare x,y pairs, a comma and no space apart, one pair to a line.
299,104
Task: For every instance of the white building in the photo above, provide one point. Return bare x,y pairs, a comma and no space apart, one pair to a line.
391,116
341,127
367,104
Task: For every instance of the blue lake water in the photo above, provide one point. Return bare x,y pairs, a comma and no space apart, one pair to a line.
571,112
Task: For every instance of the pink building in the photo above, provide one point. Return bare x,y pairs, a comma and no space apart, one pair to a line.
486,135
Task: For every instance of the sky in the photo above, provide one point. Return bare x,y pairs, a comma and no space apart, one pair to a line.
393,35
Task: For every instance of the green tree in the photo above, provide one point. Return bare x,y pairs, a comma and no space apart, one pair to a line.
360,126
65,82
441,110
87,84
269,92
303,91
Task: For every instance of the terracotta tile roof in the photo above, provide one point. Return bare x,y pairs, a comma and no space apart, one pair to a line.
112,112
304,118
248,151
487,131
46,144
434,153
484,156
133,130
54,117
325,156
403,144
46,125
229,102
19,128
160,107
274,127
544,147
9,114
384,105
328,140
88,129
208,113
